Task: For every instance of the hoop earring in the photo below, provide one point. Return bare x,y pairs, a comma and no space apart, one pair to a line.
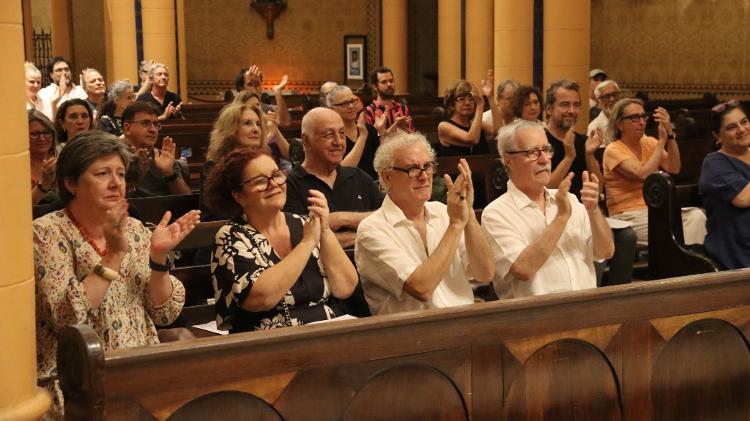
718,144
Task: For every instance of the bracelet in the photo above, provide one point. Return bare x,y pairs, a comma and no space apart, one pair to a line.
671,136
158,267
106,272
172,177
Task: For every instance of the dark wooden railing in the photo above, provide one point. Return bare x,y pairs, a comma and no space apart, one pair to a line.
672,349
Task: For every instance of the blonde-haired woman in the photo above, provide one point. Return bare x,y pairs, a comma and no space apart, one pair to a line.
33,85
238,126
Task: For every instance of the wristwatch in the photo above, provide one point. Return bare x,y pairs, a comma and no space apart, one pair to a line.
106,272
671,136
170,178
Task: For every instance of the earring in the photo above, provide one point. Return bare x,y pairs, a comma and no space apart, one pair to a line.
718,144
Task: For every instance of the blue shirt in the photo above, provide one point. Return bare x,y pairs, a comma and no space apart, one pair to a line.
728,239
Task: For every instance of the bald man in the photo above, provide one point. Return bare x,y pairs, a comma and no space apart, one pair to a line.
351,193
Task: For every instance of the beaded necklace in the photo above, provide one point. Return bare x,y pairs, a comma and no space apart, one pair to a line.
85,234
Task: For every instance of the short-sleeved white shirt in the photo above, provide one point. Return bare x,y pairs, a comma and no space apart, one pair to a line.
388,249
48,92
513,221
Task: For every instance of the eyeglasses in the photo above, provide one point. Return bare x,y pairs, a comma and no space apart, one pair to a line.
38,135
415,171
534,153
609,96
347,103
147,123
723,106
465,99
261,183
634,118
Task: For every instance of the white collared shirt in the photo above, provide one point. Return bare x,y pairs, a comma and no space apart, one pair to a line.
388,249
48,92
601,121
513,221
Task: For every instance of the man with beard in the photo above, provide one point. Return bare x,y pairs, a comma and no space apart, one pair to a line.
607,94
61,89
574,152
543,240
159,172
395,110
414,254
350,192
168,103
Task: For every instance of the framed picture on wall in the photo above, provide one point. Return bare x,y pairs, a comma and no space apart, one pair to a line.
355,59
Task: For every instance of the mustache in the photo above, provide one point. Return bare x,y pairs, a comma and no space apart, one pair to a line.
542,168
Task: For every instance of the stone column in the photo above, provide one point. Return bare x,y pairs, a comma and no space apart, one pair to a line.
514,41
20,398
159,36
396,42
449,43
119,27
567,25
61,30
479,52
181,53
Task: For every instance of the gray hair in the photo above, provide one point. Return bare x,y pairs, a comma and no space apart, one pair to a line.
331,95
602,85
80,152
85,72
30,68
154,67
505,84
506,137
325,88
384,155
117,88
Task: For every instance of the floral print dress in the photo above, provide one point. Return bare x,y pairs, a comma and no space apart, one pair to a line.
124,318
240,256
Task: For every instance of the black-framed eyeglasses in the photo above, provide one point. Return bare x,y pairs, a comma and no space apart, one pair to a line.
723,106
347,103
609,96
634,118
416,171
147,123
534,153
261,183
37,135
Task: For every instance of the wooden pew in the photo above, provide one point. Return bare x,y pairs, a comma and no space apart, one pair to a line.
151,209
197,278
657,350
487,167
667,254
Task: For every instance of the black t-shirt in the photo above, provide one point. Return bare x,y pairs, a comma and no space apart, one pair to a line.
353,191
368,155
579,163
168,97
481,148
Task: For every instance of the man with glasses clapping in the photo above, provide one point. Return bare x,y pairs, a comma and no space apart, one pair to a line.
414,254
542,240
160,173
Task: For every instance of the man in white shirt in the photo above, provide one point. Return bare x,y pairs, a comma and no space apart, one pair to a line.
61,89
413,254
607,94
543,240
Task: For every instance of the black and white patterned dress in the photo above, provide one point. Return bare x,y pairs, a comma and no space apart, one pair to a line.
241,254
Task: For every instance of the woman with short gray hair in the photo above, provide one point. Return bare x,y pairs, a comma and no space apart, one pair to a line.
120,95
97,266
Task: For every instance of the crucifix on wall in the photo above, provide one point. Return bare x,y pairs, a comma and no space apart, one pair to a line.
270,10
